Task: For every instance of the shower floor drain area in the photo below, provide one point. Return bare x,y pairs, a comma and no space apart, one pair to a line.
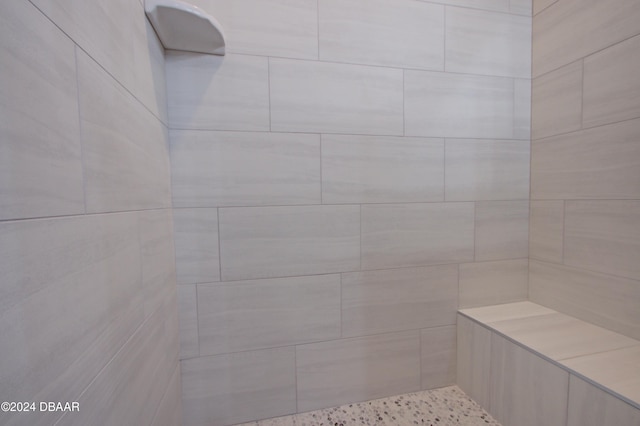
439,407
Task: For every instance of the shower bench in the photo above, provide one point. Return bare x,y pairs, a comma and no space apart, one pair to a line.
528,365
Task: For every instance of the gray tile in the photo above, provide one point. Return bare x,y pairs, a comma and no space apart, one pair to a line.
495,5
169,412
521,7
604,300
505,312
71,296
557,101
130,388
603,236
211,169
311,96
559,337
438,357
546,230
491,283
396,33
603,162
263,242
540,5
188,315
590,406
275,28
615,370
196,241
117,36
210,92
611,84
376,302
486,170
235,388
40,155
378,169
158,257
357,369
573,29
522,109
502,230
526,390
473,360
454,105
489,43
404,235
246,315
119,137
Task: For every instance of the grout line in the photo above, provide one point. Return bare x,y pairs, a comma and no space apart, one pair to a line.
295,372
341,328
360,268
318,25
321,183
444,39
564,227
195,288
444,170
582,94
404,101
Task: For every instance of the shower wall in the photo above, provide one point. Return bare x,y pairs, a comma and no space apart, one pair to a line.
88,309
585,165
343,179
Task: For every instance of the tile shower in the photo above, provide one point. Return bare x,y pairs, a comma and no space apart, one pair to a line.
324,197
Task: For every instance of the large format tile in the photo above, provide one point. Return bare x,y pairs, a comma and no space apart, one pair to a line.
276,28
526,390
196,241
379,169
169,413
235,388
376,302
505,312
188,316
486,170
454,105
125,147
158,257
558,336
605,300
71,296
217,92
211,169
540,5
263,242
308,96
402,235
396,33
502,230
603,162
521,7
357,369
491,283
590,406
495,5
40,156
557,101
473,360
616,370
438,357
611,84
489,43
117,36
546,230
522,108
572,29
130,388
603,236
246,315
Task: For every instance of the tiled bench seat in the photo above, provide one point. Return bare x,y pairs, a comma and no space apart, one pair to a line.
530,365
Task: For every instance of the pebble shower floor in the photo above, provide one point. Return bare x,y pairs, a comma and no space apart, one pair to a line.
439,407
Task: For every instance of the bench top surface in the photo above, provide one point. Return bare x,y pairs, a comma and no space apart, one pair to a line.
603,357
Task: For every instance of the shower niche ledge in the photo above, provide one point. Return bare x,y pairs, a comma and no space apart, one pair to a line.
183,26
